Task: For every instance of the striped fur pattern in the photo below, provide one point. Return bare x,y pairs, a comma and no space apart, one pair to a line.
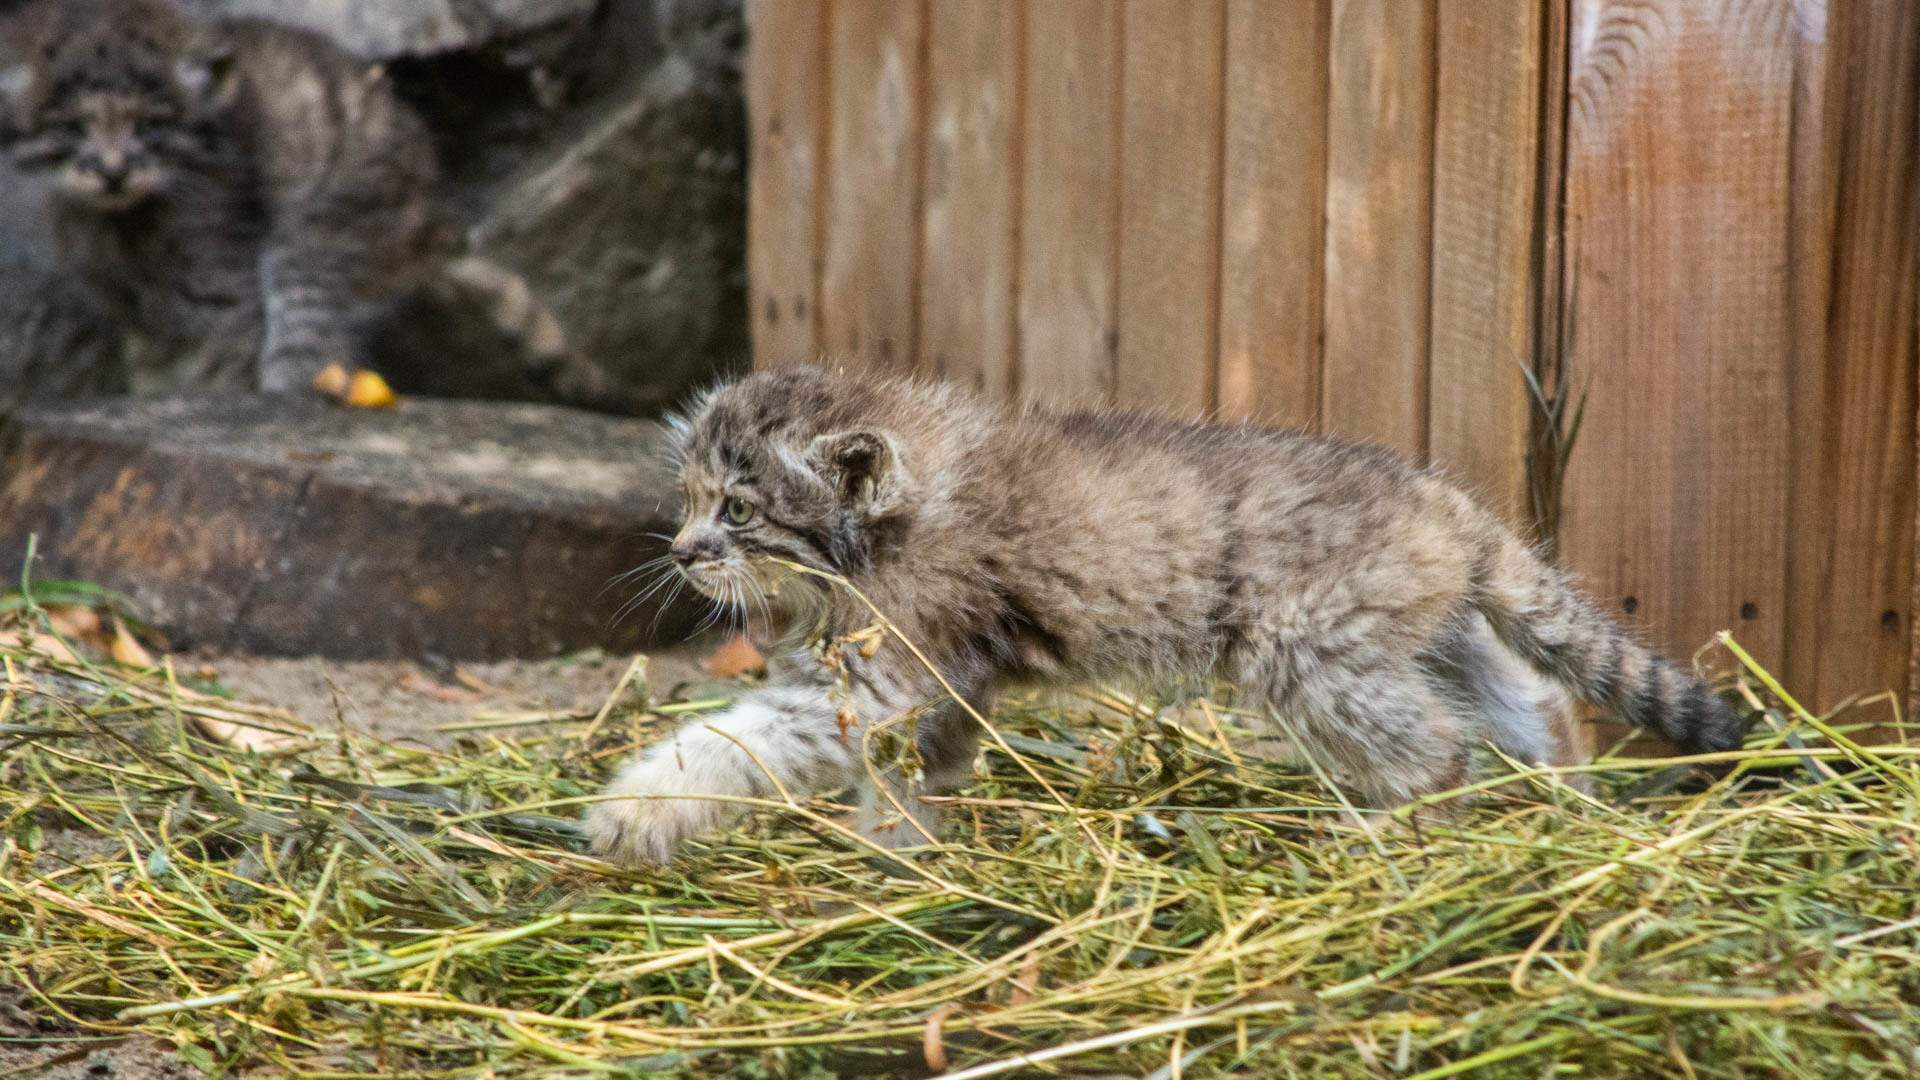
1384,619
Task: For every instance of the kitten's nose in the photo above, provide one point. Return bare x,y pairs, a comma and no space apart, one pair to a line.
111,168
683,553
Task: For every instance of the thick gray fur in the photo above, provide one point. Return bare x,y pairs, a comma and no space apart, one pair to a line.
236,205
1385,619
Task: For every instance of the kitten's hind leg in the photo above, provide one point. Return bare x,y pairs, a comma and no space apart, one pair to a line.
779,737
1384,733
1528,718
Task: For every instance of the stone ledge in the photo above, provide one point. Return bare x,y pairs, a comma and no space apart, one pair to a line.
284,526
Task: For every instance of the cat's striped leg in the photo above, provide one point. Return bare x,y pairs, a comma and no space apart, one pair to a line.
310,315
946,739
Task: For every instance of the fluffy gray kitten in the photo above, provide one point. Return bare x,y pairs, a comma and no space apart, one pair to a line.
237,205
1388,622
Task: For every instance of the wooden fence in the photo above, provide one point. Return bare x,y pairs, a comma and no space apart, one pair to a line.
1364,216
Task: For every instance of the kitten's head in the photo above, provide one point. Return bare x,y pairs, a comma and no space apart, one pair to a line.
785,466
112,101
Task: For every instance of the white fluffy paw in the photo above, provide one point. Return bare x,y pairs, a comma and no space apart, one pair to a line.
697,774
643,830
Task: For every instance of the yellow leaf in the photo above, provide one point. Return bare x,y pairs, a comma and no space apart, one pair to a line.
369,391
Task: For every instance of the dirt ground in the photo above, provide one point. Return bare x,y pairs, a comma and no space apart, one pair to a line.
404,701
33,1044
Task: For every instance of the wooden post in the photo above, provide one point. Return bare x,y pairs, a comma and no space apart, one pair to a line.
1379,202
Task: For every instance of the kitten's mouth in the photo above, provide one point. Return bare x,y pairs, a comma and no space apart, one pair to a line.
122,194
700,575
731,581
716,578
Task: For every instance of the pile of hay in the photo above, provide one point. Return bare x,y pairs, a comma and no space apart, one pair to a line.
1127,898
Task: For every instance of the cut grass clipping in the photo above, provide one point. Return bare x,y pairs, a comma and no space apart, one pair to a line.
342,907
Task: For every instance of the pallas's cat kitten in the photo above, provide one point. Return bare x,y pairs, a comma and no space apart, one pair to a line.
238,197
1383,618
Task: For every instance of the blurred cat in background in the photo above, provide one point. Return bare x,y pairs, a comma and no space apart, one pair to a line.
242,204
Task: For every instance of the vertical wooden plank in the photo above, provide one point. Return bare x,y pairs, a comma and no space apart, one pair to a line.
966,292
1273,206
1549,331
1862,534
870,258
785,68
1678,215
1379,187
1069,199
1168,316
1485,183
1819,100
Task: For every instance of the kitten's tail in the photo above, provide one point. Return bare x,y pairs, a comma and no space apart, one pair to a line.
511,306
477,328
1537,612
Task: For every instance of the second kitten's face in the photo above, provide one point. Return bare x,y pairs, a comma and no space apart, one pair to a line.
113,114
766,487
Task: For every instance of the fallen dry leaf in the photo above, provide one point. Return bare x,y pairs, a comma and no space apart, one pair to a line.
45,644
414,682
736,657
1025,982
243,737
368,390
931,1046
73,620
126,648
468,679
332,381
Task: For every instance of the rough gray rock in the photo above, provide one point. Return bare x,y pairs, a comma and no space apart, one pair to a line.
281,526
594,147
634,235
394,28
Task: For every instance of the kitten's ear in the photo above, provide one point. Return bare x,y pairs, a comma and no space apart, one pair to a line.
211,77
864,465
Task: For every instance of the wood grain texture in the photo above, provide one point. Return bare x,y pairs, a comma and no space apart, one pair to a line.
966,290
1168,316
1271,222
870,268
1070,200
1678,213
1819,97
785,76
1861,536
1485,183
1361,214
1379,189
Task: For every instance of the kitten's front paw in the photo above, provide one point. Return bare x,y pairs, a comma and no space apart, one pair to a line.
637,831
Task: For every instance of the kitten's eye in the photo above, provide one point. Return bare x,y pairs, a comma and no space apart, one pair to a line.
738,510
